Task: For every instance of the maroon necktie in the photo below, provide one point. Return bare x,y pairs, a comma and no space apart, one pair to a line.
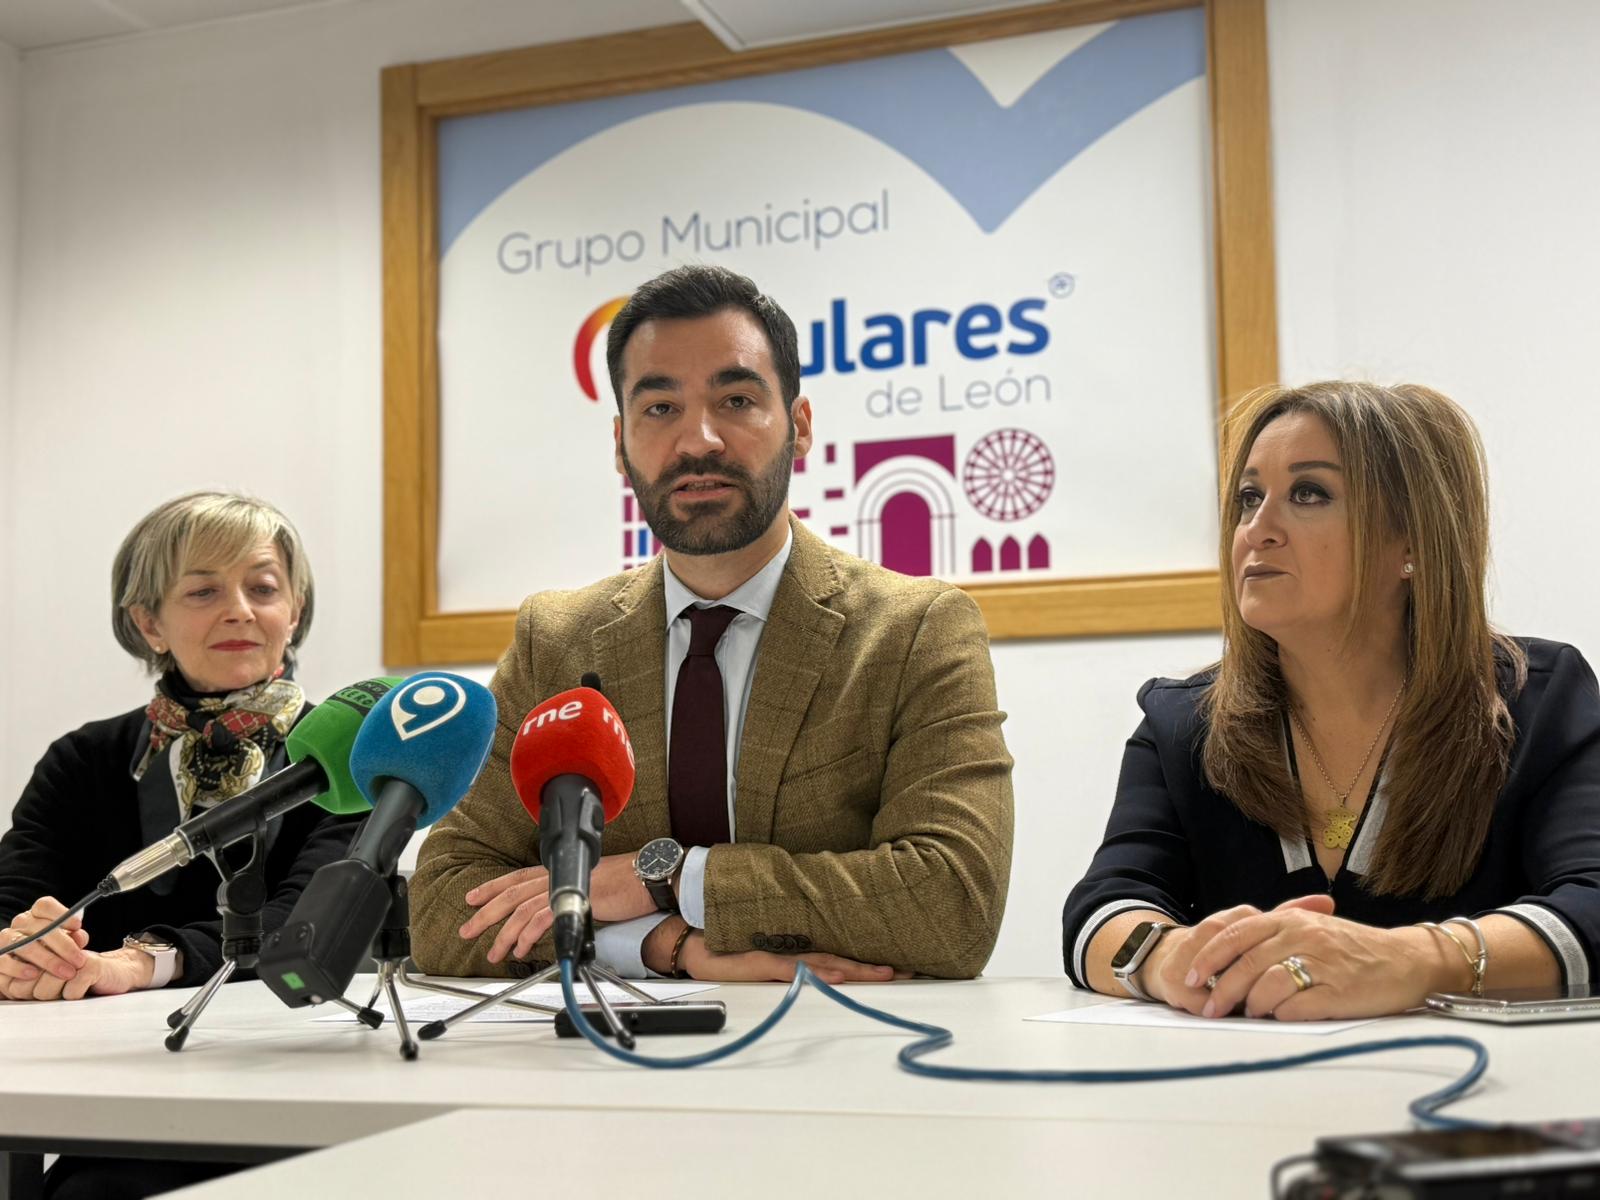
697,765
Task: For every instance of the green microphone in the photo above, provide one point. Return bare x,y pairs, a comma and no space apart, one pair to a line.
326,735
319,770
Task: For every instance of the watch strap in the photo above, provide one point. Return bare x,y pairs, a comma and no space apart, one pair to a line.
1130,984
661,892
163,955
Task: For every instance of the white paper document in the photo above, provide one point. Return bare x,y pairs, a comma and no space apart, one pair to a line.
1158,1016
422,1007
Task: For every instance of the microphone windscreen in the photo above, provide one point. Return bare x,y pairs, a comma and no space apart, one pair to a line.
434,732
575,733
326,734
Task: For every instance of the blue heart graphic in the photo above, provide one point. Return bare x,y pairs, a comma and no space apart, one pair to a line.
927,105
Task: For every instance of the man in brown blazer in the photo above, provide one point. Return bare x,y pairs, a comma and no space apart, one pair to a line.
848,801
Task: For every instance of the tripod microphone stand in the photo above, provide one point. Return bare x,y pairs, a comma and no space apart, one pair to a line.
391,947
240,898
591,973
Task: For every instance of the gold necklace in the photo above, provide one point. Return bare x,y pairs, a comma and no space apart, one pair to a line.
1341,825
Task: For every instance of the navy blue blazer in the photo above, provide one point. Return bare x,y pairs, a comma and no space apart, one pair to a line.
1175,845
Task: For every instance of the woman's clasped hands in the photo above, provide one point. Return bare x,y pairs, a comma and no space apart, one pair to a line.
1296,962
58,966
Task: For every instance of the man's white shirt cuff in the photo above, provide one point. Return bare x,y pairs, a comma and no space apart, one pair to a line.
692,887
621,946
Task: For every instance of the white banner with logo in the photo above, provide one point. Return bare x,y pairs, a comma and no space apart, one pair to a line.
997,258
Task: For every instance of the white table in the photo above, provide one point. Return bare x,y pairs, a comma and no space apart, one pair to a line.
258,1080
775,1156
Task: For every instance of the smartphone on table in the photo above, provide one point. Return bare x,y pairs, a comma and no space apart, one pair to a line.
1519,1006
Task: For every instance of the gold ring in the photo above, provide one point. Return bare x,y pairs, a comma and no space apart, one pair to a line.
1297,971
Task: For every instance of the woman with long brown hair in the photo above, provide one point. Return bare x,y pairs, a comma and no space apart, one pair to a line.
1374,795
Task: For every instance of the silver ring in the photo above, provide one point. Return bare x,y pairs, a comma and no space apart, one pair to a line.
1211,983
1296,967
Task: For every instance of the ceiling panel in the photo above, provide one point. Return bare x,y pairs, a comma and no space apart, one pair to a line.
37,24
741,24
168,14
33,24
745,24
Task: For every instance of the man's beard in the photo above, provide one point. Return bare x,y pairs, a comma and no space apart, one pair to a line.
713,529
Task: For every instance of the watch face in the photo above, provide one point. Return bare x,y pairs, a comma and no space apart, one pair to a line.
1133,944
659,859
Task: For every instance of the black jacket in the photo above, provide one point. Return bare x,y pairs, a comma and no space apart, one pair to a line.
79,817
1175,845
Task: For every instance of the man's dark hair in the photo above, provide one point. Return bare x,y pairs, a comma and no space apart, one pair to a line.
701,291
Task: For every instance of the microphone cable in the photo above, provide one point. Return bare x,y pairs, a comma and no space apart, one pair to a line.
77,908
1424,1109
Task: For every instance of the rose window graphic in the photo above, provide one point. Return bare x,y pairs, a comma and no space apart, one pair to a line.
1008,475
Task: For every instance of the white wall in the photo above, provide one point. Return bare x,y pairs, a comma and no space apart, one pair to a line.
1437,168
200,304
10,175
201,284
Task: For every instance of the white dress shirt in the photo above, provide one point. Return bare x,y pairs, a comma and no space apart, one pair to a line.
618,946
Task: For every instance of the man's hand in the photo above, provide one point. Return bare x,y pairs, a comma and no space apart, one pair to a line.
59,955
751,966
522,900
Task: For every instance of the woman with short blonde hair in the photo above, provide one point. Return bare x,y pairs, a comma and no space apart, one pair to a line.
200,527
213,592
1374,795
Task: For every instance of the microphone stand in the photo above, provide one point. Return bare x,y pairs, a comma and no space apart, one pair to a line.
391,947
240,898
587,970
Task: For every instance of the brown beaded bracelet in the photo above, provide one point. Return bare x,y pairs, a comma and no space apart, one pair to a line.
673,970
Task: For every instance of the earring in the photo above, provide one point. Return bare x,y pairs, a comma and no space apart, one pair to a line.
1410,567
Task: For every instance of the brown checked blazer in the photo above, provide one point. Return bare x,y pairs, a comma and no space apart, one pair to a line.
873,804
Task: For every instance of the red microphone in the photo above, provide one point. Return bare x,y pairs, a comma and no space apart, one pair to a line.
572,766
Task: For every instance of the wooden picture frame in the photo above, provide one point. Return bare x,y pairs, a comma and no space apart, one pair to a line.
416,96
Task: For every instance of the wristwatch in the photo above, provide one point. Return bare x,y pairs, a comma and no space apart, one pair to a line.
655,865
1131,954
163,954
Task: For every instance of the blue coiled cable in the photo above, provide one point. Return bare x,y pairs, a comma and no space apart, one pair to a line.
1424,1109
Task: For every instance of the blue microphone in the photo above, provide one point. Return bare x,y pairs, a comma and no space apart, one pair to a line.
417,753
415,756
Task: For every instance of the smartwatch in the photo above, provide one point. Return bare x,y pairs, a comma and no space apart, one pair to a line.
656,864
1132,953
163,954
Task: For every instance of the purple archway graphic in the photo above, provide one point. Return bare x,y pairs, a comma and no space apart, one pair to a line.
982,557
905,498
908,534
1038,552
1010,555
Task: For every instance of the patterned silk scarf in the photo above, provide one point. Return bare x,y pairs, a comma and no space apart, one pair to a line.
220,744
